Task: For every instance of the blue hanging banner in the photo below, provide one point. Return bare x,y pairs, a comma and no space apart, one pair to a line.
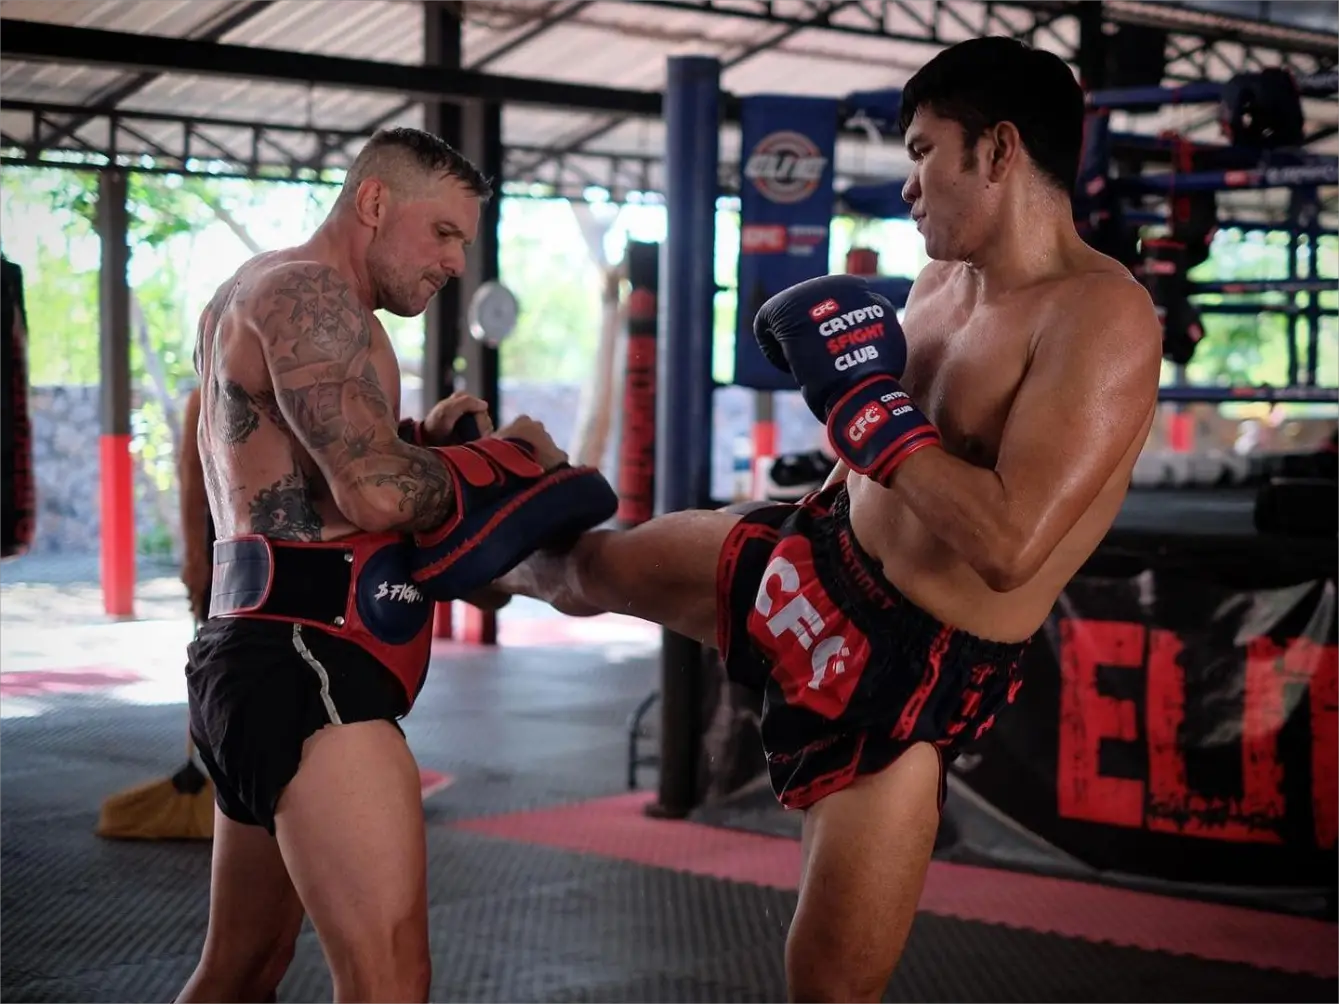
786,201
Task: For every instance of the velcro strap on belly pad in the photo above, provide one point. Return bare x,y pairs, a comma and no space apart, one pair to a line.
298,582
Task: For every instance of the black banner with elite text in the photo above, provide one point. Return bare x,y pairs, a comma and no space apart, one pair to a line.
1177,729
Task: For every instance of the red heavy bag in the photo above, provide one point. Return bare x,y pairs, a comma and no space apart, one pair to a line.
18,516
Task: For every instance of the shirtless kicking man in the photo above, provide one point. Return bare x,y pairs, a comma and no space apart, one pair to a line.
338,525
985,448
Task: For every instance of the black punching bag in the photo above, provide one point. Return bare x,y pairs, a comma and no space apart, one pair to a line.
17,515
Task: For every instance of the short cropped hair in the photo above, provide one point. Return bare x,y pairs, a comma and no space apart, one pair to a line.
982,82
395,154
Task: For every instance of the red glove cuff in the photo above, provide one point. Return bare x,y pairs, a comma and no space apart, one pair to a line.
875,426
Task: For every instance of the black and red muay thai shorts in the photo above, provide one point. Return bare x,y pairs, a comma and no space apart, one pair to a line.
852,672
300,636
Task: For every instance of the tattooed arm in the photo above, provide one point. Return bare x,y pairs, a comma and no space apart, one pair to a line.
318,344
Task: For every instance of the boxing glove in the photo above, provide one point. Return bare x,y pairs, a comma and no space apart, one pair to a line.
842,343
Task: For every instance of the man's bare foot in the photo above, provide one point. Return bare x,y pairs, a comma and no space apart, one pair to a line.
548,577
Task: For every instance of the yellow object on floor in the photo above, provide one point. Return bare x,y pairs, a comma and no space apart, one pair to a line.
180,807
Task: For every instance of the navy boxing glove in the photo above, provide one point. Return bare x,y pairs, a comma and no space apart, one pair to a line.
843,344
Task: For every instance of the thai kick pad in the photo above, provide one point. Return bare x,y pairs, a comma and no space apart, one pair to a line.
358,588
507,508
18,518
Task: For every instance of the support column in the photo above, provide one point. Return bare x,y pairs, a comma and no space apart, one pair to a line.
684,394
452,360
477,365
1091,57
441,332
441,48
117,473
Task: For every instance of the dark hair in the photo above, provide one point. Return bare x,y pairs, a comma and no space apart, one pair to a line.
433,154
985,81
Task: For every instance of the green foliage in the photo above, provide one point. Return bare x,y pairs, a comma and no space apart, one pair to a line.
559,292
160,206
151,441
50,228
62,307
52,216
1253,349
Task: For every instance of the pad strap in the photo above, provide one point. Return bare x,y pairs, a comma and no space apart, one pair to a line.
506,508
484,473
411,431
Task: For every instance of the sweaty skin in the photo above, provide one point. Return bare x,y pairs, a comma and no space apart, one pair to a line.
968,357
1038,360
301,393
1036,357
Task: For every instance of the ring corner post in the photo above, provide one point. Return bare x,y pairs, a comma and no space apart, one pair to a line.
684,399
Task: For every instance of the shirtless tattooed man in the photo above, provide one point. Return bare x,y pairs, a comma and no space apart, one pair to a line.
338,525
985,448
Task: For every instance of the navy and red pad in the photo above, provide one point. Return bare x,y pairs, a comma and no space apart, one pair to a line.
507,507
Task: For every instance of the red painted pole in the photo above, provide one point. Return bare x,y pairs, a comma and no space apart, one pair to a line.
117,471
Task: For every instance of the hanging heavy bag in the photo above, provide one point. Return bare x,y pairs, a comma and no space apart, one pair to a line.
1262,110
1194,214
1194,222
17,502
1182,330
1163,273
1108,233
1098,213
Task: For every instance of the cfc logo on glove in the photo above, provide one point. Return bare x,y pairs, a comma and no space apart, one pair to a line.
866,422
822,310
876,413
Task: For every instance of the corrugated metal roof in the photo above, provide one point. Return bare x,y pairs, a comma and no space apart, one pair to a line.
610,44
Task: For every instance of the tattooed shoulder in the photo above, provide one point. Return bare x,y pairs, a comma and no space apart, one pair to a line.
309,313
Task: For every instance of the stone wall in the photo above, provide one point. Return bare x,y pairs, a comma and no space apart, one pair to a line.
66,458
556,406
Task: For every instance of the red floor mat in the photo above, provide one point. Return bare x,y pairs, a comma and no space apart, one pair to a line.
430,782
43,682
617,828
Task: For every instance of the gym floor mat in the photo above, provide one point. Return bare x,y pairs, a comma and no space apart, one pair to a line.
520,731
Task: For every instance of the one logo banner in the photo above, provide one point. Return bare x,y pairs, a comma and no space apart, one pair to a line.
786,200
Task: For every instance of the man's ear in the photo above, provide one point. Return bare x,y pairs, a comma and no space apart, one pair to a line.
1006,147
370,202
